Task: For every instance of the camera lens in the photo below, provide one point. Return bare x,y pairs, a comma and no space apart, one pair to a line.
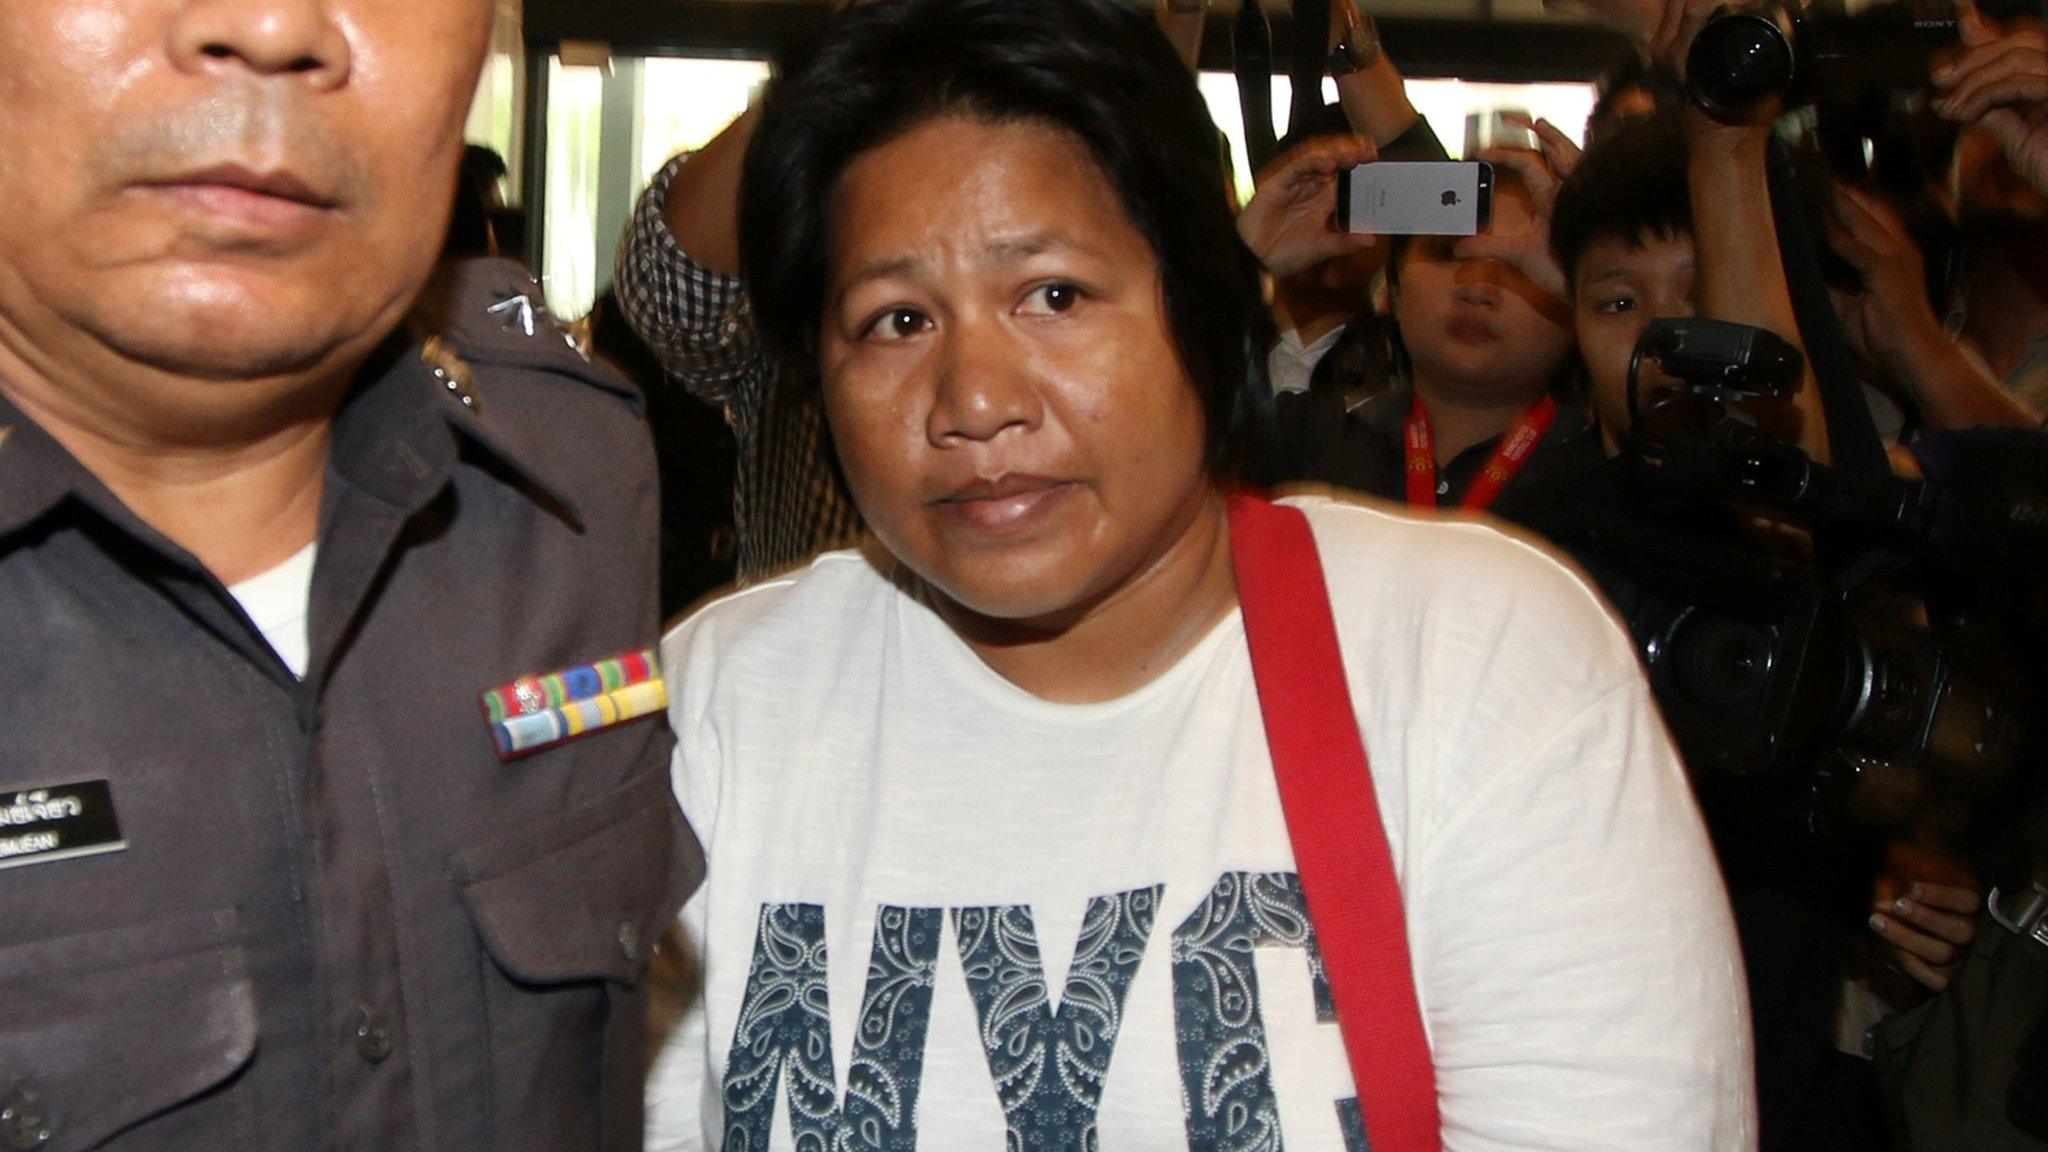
1718,664
1894,676
1739,60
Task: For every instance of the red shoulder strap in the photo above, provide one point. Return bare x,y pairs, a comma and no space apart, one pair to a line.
1333,820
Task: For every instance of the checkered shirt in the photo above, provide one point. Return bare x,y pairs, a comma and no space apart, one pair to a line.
788,503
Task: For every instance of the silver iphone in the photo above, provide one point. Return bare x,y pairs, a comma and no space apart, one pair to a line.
1396,198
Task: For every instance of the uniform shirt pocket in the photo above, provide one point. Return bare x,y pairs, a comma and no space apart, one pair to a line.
103,1031
568,915
585,897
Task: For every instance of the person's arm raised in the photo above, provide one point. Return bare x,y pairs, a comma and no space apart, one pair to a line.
1892,323
1373,94
1741,274
703,206
1527,250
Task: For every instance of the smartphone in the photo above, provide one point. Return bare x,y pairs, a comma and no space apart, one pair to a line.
1397,198
1494,130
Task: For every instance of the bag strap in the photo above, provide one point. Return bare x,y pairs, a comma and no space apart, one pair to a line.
1333,820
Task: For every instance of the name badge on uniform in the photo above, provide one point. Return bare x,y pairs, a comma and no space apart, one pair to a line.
59,822
537,712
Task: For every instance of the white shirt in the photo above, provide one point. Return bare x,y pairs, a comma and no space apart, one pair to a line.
1036,917
277,602
1291,365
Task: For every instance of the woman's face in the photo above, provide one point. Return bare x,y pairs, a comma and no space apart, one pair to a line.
1001,382
1478,325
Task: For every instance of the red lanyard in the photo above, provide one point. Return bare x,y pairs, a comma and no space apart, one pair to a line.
1507,460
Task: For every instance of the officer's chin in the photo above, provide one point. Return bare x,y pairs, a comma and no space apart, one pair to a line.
268,333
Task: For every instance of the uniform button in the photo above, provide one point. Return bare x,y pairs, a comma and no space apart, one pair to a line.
1443,487
373,1036
24,1126
629,940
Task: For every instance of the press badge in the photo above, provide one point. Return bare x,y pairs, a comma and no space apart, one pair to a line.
59,822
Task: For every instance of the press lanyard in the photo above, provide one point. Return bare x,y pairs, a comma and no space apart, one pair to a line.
1507,460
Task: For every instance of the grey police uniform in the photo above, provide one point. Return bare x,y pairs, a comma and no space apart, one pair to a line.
242,911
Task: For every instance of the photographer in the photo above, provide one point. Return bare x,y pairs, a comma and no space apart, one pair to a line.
1625,230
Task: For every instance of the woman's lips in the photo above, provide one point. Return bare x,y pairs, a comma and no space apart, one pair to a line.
1468,330
1003,504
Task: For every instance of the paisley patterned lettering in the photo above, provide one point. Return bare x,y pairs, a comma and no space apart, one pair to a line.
1226,1064
785,1031
1049,1068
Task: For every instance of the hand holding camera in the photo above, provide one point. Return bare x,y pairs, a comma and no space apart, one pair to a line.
1528,250
1924,906
1890,318
2000,84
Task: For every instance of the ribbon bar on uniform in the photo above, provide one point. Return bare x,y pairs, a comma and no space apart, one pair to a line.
535,712
531,694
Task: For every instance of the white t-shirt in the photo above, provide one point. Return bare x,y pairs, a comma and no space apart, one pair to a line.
1009,915
278,602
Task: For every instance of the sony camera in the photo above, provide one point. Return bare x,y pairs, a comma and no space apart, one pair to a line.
1746,55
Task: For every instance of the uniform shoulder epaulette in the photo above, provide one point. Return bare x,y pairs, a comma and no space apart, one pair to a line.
489,311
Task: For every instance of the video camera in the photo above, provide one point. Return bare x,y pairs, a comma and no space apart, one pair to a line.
1744,56
1845,688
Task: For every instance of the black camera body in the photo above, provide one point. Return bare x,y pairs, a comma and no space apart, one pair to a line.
1744,56
1842,690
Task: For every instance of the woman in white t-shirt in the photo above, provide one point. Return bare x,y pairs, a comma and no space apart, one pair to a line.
996,857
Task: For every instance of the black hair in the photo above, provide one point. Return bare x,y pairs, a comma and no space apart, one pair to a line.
1631,73
1098,69
1630,185
478,195
484,165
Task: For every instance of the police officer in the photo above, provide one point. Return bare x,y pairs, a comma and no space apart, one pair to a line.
299,611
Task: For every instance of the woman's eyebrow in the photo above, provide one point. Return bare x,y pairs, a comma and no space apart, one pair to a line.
878,270
1006,250
1014,248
